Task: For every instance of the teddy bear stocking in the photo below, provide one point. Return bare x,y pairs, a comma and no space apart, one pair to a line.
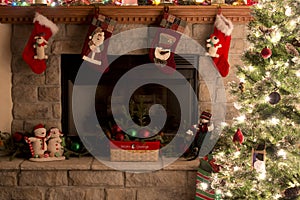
34,52
165,42
219,44
94,50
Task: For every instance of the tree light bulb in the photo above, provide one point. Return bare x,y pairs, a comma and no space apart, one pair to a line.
236,168
274,121
267,98
281,153
262,176
288,11
241,118
251,68
204,186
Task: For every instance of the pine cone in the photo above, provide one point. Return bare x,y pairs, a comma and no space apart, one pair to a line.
291,193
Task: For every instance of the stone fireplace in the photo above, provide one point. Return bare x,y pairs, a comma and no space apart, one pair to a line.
38,99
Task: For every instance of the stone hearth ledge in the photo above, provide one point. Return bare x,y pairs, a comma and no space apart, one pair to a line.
83,163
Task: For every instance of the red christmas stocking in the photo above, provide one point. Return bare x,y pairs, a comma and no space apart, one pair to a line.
34,52
165,42
219,44
95,46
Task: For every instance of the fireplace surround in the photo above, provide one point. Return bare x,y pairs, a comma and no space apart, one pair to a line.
37,99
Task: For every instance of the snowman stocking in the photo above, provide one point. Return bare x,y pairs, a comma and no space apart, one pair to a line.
34,52
95,46
219,44
165,42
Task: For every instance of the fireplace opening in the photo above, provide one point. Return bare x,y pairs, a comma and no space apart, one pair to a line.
140,101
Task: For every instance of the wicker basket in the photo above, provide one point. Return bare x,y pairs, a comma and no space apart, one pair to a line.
134,151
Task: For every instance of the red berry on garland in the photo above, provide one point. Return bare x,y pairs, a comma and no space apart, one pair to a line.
119,136
17,136
116,129
238,136
266,53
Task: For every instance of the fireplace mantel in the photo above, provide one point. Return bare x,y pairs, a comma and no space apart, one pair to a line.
122,14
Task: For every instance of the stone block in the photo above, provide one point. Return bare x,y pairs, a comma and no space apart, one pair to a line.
19,66
17,46
174,193
77,31
22,31
17,125
7,164
82,163
120,193
56,107
5,192
8,178
28,79
202,31
61,32
53,70
156,179
31,111
24,93
204,93
67,46
49,94
140,32
239,31
75,193
43,178
191,176
29,124
96,178
237,46
28,193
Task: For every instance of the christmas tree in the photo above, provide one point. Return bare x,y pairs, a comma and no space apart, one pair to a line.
260,150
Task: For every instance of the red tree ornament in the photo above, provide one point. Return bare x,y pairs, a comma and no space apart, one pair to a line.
266,53
238,136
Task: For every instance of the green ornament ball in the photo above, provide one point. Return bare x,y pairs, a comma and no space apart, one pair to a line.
75,146
132,132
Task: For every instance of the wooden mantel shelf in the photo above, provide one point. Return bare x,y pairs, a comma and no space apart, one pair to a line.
123,14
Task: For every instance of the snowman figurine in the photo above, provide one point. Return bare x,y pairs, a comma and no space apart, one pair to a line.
37,144
55,148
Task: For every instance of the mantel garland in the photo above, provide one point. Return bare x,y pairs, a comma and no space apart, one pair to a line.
122,14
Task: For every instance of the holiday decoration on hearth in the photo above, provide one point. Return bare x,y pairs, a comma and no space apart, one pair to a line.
165,42
266,165
45,145
204,179
55,148
34,53
94,50
37,143
219,43
203,128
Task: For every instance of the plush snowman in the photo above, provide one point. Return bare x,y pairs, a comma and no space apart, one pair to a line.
37,144
55,148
